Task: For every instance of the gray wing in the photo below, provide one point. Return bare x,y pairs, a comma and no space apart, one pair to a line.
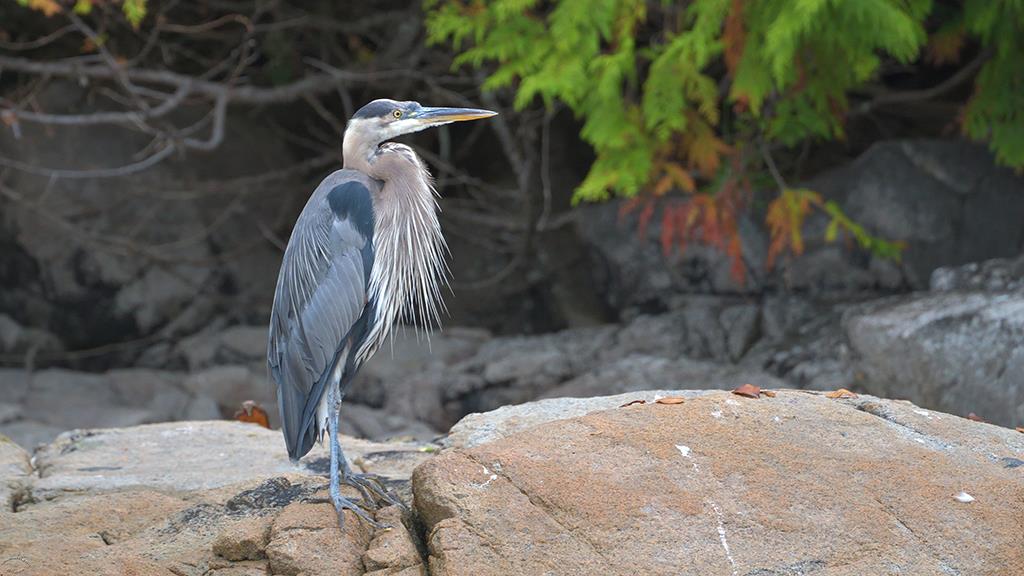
320,305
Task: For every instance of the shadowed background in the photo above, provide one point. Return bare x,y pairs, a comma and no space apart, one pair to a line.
150,175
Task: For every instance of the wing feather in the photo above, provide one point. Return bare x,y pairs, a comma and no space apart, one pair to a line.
320,298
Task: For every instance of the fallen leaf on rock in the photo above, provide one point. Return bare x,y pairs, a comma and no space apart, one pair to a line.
252,412
633,402
748,390
964,497
841,393
768,393
671,400
1020,429
975,417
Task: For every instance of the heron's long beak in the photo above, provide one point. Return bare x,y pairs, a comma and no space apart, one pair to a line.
438,116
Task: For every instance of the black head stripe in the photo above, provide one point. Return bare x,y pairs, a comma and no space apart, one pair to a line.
376,109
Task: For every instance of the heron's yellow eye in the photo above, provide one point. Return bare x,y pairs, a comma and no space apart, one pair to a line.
397,114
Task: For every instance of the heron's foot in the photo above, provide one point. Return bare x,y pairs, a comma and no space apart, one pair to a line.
372,488
341,504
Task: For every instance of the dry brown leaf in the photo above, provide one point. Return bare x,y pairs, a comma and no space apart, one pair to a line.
748,390
252,412
841,393
633,402
1020,429
975,417
768,393
671,400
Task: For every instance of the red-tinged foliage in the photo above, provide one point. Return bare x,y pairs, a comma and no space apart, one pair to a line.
734,36
945,46
785,218
645,218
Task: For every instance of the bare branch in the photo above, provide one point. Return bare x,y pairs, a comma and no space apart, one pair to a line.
38,42
314,84
124,170
908,96
135,117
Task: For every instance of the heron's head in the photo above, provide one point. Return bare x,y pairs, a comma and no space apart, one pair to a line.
382,120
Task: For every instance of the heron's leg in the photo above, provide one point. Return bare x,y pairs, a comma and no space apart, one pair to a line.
370,486
340,502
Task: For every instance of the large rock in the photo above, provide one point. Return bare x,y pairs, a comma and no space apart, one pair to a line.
696,342
15,468
481,428
721,484
997,275
955,351
48,402
947,199
196,499
217,453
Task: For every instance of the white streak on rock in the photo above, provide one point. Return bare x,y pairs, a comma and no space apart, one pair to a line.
721,536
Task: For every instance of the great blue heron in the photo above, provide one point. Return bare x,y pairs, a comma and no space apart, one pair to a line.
366,251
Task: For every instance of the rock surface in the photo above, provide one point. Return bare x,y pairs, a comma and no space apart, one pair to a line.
997,275
954,351
721,484
191,499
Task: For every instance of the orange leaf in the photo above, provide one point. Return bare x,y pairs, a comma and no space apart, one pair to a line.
627,207
630,403
785,219
645,218
1020,429
705,149
668,229
768,393
671,400
48,7
841,393
252,412
748,390
664,185
734,36
680,176
975,417
944,46
735,253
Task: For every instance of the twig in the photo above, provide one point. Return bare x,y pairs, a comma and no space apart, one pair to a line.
908,96
134,117
314,84
124,170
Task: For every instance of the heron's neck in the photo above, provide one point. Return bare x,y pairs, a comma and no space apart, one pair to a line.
409,249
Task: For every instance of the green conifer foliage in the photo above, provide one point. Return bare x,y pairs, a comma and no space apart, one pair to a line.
667,91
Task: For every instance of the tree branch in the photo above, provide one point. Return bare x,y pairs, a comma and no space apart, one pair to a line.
908,96
314,84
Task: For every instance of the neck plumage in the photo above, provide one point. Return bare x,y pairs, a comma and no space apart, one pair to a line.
409,249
